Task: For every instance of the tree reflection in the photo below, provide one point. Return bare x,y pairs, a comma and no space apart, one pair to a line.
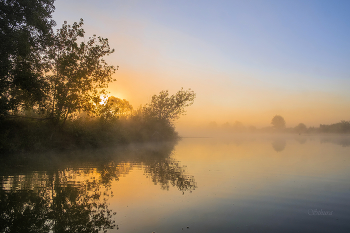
24,211
279,144
157,163
343,141
69,192
301,140
60,206
168,172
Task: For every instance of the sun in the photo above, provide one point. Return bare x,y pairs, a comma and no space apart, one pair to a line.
104,97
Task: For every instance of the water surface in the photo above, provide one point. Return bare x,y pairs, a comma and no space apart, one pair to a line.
246,183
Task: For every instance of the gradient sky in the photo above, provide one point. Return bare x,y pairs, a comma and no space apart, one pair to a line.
246,60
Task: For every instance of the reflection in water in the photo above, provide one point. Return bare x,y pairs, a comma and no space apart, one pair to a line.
70,192
339,140
251,188
279,144
244,187
61,205
168,172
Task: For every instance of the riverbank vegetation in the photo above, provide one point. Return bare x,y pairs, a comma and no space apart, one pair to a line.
29,131
54,88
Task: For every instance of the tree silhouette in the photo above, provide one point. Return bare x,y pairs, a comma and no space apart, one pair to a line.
278,122
25,33
78,75
169,108
300,128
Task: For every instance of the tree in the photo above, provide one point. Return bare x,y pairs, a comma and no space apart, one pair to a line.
301,128
113,108
25,32
78,73
278,122
122,107
170,108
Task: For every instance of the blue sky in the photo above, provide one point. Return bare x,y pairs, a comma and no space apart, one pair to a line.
246,60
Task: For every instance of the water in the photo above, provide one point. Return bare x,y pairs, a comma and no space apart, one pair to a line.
240,184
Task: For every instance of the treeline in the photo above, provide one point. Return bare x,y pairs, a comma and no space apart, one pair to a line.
279,126
53,87
341,127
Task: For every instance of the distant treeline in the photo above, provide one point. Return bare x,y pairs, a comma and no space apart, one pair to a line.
238,127
341,127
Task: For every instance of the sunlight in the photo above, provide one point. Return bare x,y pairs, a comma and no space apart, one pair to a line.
104,99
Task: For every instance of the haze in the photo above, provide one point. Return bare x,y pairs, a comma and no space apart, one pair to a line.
246,60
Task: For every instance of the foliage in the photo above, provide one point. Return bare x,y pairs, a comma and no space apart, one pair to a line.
25,134
165,107
278,122
123,106
116,108
78,75
25,33
33,134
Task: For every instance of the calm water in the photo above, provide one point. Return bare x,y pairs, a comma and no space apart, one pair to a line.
240,184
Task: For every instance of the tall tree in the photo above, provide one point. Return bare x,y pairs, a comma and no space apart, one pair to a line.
25,33
78,75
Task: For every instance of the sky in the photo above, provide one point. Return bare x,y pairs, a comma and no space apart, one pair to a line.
246,60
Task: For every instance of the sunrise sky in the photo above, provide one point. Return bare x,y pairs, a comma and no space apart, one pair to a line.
246,60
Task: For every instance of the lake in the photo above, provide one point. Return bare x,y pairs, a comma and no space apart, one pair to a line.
242,183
